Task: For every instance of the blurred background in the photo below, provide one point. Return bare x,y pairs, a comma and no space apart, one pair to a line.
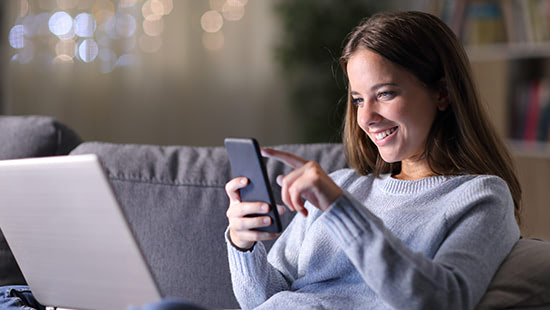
180,71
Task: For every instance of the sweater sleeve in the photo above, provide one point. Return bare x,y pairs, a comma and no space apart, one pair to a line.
459,273
254,277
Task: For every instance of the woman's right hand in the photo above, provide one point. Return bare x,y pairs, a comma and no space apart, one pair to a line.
240,226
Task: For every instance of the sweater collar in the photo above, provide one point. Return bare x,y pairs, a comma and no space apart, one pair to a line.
397,186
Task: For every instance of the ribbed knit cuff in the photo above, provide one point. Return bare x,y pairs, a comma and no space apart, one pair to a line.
244,261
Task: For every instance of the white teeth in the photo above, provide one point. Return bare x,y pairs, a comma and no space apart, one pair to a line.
383,134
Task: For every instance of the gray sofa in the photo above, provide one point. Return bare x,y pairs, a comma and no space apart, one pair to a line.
175,202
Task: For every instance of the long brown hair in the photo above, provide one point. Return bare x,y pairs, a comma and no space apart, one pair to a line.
461,140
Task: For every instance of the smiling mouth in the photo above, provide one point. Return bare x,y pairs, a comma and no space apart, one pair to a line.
384,134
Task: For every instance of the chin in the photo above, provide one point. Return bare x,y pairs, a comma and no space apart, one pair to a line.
389,159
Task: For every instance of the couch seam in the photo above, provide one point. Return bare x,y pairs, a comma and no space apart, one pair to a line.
168,183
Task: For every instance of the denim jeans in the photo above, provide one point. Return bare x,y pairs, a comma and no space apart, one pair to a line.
18,297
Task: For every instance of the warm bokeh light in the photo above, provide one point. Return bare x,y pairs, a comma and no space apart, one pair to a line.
211,21
65,47
152,9
63,59
103,10
232,12
153,27
168,6
213,41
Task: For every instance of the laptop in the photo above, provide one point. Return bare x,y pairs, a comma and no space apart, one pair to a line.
69,235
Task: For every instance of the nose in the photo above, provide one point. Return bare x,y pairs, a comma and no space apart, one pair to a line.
367,114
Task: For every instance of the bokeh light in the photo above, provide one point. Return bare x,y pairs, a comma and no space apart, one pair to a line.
125,25
88,50
85,25
61,23
26,54
211,21
46,32
233,12
153,27
65,47
103,10
63,59
16,36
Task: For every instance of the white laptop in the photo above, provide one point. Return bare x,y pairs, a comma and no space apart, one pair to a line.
69,235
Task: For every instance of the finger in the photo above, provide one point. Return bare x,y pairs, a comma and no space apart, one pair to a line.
296,198
248,223
232,188
284,157
281,209
253,235
246,208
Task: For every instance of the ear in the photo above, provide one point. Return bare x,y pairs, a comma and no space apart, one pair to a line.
442,95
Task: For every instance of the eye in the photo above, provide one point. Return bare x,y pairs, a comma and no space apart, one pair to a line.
385,95
356,101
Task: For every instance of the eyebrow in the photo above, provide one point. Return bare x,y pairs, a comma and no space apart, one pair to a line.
375,87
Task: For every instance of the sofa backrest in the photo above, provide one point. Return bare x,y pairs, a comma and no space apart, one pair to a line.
175,202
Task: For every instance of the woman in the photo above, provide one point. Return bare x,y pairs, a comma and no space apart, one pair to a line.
426,215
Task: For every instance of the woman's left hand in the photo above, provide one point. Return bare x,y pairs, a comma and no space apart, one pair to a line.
308,181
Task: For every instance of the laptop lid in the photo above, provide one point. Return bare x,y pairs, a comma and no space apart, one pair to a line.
69,235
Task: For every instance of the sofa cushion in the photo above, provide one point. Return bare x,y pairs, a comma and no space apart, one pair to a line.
29,136
523,279
175,202
35,136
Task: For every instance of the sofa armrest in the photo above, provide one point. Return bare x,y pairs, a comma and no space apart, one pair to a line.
523,279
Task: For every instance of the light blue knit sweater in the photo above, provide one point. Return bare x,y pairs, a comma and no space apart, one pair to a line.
433,243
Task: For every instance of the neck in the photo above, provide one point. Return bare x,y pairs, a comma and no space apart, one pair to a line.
414,170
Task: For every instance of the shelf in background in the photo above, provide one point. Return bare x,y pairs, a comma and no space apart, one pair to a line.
528,149
508,51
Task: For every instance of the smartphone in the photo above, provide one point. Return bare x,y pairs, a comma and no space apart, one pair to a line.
246,161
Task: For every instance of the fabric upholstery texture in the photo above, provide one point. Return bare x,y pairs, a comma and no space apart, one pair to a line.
29,136
35,136
175,202
523,279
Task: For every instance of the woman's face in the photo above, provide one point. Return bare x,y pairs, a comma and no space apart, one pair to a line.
393,108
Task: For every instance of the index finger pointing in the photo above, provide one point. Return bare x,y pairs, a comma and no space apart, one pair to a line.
284,157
